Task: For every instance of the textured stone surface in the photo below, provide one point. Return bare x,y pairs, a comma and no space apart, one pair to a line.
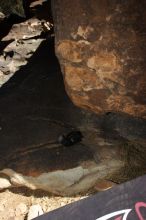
30,28
8,7
21,210
20,44
16,55
102,51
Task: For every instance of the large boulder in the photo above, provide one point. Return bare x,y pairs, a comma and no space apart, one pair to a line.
101,46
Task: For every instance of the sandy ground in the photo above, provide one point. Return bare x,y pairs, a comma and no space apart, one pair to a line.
15,204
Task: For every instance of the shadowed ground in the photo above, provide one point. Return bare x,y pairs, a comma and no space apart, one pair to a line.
35,110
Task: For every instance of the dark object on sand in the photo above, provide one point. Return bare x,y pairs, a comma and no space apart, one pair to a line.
70,139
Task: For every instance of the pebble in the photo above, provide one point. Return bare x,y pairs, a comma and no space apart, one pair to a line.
103,185
62,204
34,211
4,183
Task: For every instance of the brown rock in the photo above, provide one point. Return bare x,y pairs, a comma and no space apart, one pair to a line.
102,51
80,79
68,50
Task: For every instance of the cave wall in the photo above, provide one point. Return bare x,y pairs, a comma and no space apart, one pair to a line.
101,46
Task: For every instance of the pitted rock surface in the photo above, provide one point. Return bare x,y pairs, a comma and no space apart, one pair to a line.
102,51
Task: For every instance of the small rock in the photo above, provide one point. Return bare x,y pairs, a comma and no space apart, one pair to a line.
2,16
37,3
25,30
8,7
34,211
62,204
4,183
103,185
21,209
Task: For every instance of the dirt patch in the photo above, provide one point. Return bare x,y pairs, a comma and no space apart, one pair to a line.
15,204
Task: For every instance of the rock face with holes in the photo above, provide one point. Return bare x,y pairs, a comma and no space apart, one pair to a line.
101,46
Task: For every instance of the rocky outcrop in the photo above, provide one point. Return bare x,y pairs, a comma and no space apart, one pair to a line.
21,42
102,51
24,39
